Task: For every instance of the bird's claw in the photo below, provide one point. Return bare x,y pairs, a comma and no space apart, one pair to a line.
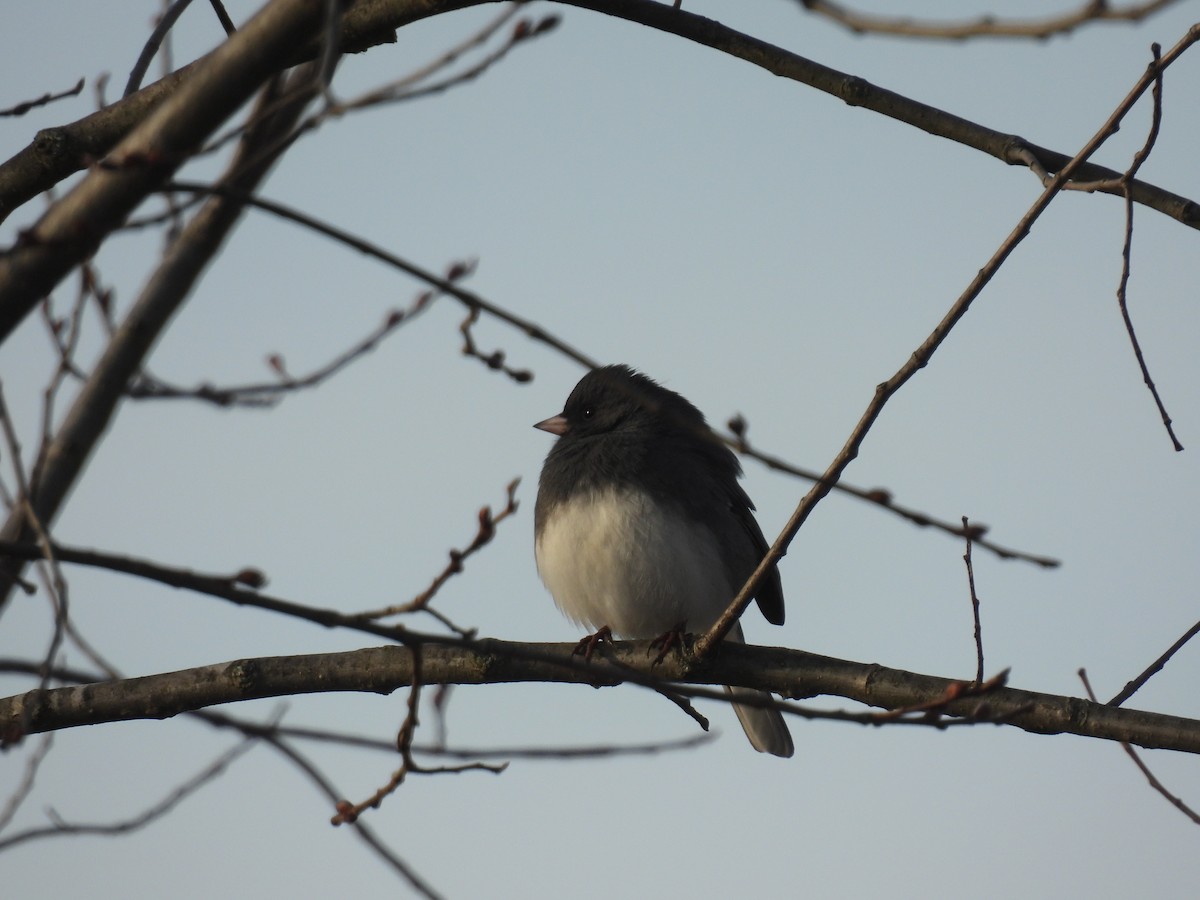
587,646
667,641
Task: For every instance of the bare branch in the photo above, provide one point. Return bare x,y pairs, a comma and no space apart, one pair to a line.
364,832
493,360
444,285
483,536
269,393
56,153
882,497
25,510
1154,668
21,791
165,23
1126,250
1090,11
267,731
974,605
223,16
382,670
61,828
417,85
241,588
21,108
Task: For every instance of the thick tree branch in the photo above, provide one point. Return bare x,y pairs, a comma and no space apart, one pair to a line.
74,227
792,673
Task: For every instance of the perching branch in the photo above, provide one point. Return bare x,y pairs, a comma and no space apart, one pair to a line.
383,670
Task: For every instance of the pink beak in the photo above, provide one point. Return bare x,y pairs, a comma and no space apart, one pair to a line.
555,425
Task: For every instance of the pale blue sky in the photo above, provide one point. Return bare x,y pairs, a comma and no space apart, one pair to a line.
759,247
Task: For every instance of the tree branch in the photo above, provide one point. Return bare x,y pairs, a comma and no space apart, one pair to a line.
382,670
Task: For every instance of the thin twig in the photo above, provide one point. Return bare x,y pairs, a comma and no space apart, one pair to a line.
21,108
443,60
169,17
1154,668
364,832
48,568
28,779
974,605
269,393
493,360
882,497
1133,754
333,107
401,91
1126,250
348,812
60,827
223,17
483,536
66,334
241,588
445,285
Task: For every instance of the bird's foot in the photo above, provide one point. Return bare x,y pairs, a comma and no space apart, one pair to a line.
587,646
668,641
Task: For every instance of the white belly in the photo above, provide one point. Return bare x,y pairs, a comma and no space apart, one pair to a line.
615,558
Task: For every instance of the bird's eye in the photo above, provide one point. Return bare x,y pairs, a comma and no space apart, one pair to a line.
588,412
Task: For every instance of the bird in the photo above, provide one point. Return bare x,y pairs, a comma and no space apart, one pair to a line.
641,526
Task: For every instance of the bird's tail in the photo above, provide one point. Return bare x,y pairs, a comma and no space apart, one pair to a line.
764,727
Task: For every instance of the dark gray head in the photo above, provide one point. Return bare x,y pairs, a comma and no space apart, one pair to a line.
620,401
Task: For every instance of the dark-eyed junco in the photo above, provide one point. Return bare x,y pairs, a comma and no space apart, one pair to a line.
641,524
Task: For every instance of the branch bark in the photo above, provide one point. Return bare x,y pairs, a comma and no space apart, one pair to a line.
792,673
